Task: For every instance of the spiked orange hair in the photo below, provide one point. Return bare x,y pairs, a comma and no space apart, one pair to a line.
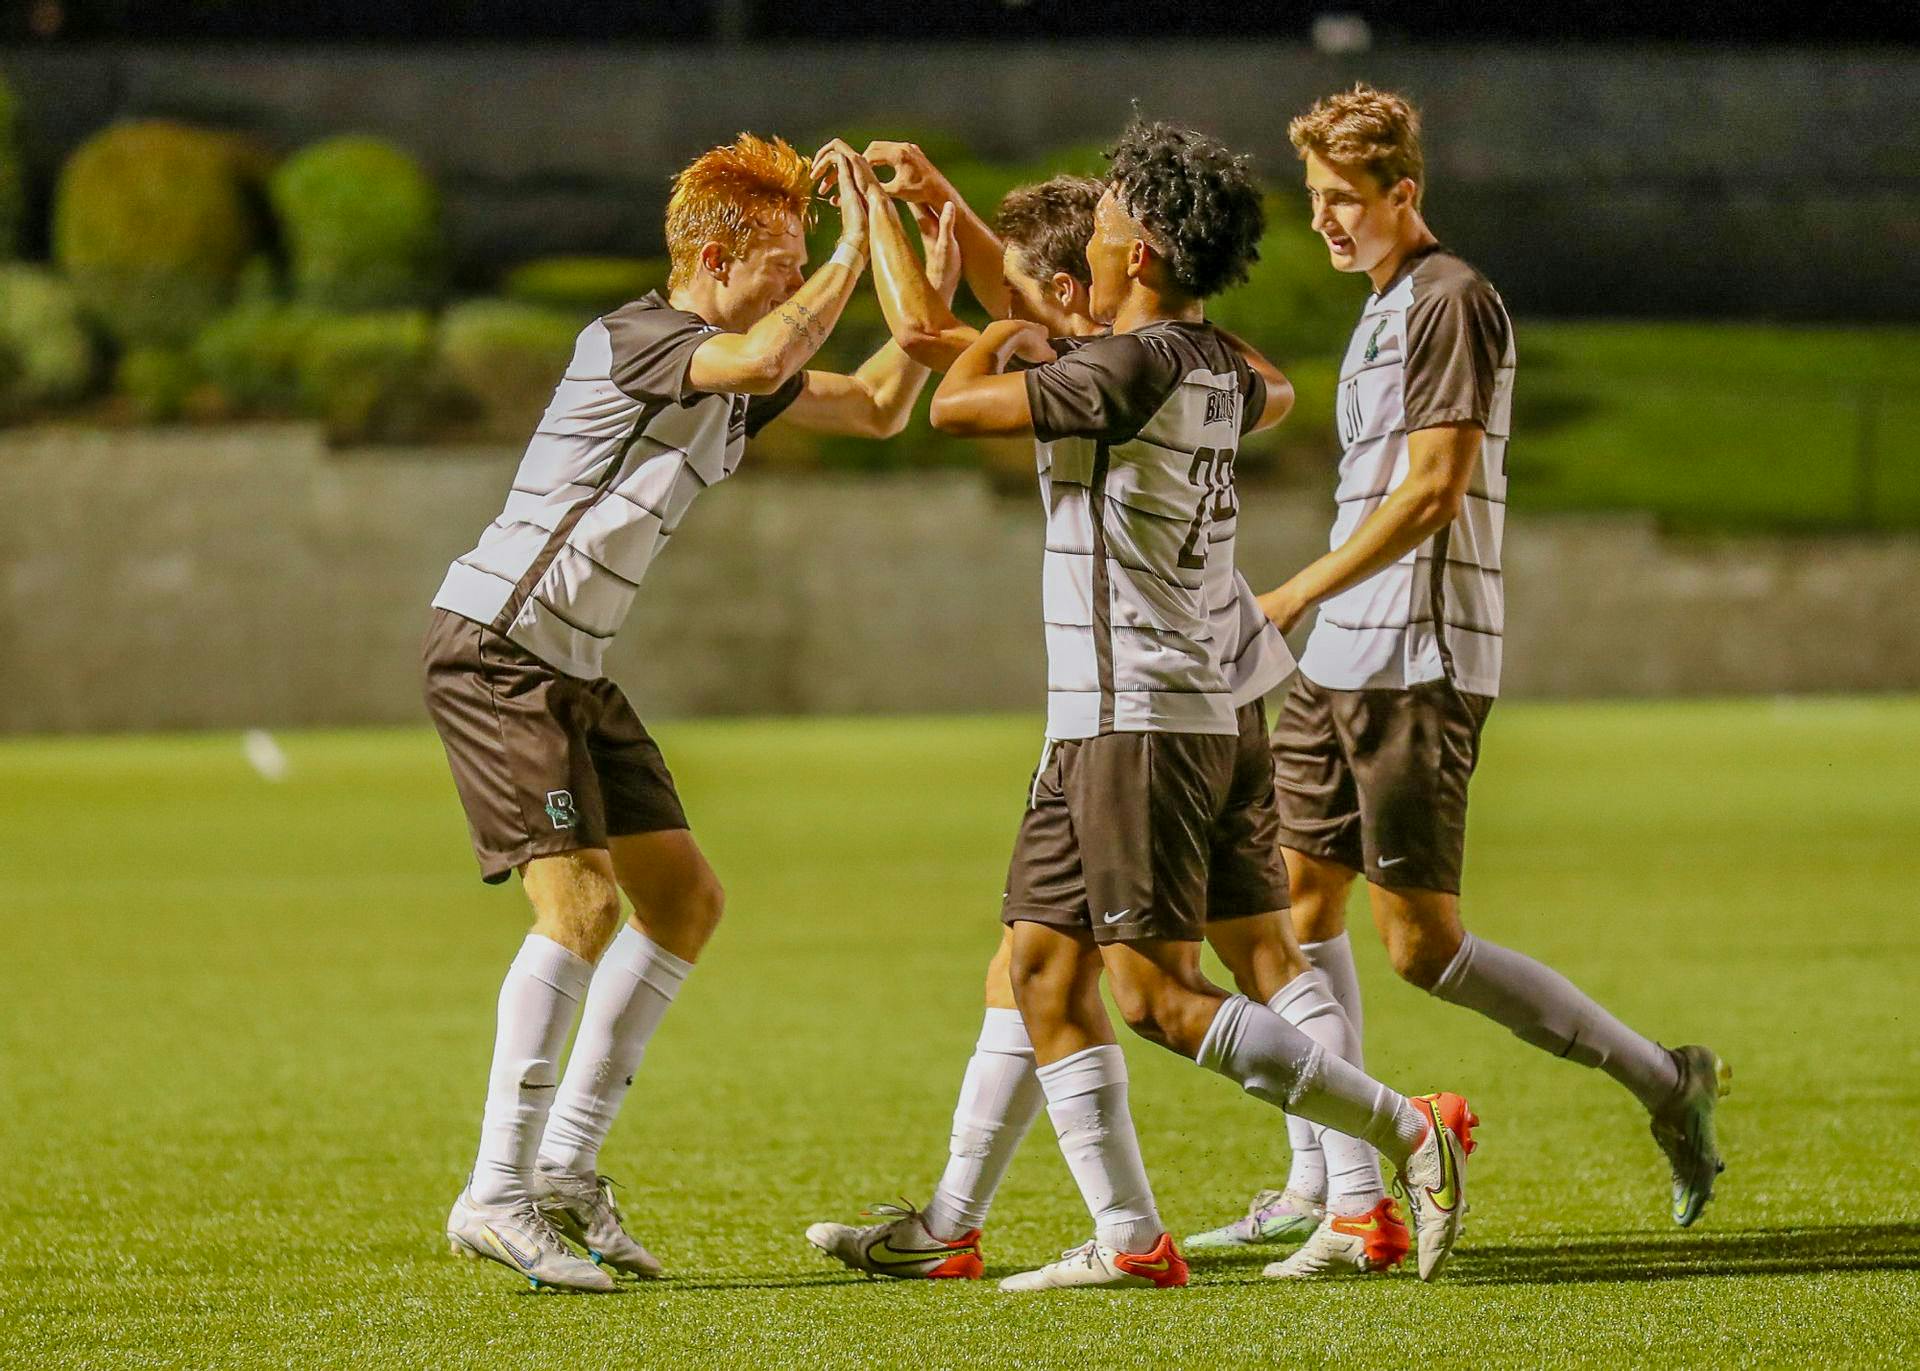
728,193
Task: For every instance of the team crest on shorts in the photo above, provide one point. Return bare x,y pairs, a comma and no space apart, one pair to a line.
560,809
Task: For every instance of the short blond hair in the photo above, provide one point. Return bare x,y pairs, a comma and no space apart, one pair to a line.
1372,128
729,193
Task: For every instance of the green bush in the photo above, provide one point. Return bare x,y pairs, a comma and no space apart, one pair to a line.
368,376
361,223
12,192
46,356
585,286
155,381
506,357
253,355
153,224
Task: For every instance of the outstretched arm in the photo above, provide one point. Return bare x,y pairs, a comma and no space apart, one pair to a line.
918,180
1279,388
917,309
874,402
1440,467
766,356
976,399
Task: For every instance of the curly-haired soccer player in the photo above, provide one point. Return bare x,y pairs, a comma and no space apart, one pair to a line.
1137,430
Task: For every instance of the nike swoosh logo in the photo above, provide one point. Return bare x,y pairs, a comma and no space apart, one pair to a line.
1118,916
1153,1268
880,1254
525,1262
1390,861
1448,1194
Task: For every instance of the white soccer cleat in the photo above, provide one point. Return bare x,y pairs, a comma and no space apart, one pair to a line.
519,1237
1275,1217
1093,1263
1368,1244
899,1246
1434,1180
583,1208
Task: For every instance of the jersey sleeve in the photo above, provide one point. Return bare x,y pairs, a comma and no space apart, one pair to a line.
1253,389
764,409
1457,335
1107,390
652,350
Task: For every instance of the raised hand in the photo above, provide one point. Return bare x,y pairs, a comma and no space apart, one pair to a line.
913,177
845,179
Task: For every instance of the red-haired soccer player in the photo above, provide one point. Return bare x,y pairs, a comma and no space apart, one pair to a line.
559,779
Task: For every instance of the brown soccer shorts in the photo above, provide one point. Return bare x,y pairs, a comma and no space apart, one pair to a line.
1117,839
544,762
1376,780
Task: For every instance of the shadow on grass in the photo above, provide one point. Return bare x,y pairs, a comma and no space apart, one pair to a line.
1644,1256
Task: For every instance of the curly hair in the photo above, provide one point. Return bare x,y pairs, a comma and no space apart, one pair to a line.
1197,201
1372,128
1048,225
727,193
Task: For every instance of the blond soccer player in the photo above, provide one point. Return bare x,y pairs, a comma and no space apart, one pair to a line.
1379,736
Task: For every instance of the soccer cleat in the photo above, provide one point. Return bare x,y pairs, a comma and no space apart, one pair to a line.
899,1246
1434,1180
519,1237
1684,1130
1275,1217
583,1208
1094,1263
1349,1245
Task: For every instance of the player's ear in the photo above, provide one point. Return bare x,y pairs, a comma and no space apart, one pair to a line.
1063,285
1138,254
1404,194
715,261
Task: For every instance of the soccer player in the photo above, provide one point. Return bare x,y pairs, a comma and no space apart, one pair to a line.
1035,267
1381,730
1137,430
559,779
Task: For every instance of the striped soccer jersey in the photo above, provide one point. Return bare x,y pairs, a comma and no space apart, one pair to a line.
1434,347
1136,435
620,454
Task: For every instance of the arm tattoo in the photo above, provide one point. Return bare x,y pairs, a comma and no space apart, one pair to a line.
804,329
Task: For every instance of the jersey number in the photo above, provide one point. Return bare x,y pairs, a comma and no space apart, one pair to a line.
1212,471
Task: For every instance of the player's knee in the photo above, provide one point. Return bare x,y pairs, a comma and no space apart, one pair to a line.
583,918
1421,960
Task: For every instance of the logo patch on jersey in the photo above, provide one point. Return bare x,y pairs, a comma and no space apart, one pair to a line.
1373,342
560,809
1220,406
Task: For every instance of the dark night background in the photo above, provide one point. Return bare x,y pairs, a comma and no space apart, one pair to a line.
434,21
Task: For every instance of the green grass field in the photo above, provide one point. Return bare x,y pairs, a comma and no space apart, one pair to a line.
246,1025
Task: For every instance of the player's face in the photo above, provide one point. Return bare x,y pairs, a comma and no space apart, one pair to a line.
1359,219
766,275
1058,302
1109,252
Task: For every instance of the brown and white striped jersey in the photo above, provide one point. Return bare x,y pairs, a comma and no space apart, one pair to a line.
1434,347
621,452
1136,435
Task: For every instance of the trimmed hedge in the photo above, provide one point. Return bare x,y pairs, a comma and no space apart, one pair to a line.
506,357
361,223
155,382
12,189
252,354
367,377
46,356
153,225
585,286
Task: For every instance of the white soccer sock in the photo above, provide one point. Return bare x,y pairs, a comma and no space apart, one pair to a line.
1274,1061
1333,959
1087,1101
629,996
537,1004
1349,1170
1000,1096
1544,1008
